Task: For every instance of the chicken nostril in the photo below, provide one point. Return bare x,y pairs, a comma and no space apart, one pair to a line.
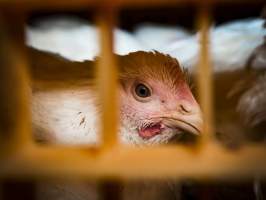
185,109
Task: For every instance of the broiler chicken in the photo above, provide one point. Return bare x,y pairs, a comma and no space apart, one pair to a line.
155,100
156,105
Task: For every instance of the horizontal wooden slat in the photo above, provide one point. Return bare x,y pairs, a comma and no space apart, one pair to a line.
210,161
81,4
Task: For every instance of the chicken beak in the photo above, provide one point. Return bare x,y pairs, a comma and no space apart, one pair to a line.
190,122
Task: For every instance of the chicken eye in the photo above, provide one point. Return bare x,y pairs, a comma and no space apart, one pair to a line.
142,91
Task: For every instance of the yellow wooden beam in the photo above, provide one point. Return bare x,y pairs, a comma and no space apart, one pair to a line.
209,162
204,72
15,83
80,4
107,75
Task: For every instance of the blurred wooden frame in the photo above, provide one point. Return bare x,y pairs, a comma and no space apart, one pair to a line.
21,157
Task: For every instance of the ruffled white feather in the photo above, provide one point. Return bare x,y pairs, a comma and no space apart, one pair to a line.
231,44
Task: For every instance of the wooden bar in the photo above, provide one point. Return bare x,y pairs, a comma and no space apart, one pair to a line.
80,4
210,162
107,76
204,72
15,86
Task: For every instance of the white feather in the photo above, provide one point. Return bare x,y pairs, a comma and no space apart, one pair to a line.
157,36
231,43
75,39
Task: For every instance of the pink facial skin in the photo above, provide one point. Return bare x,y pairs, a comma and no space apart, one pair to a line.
168,110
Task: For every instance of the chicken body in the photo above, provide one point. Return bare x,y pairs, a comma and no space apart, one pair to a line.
155,104
65,117
154,97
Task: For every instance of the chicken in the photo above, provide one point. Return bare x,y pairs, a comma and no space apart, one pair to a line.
155,100
252,104
240,96
240,105
156,104
251,107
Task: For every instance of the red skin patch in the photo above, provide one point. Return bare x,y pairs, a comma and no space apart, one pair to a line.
149,132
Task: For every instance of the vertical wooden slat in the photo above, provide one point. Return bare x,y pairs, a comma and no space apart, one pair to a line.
204,72
107,85
14,88
107,76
